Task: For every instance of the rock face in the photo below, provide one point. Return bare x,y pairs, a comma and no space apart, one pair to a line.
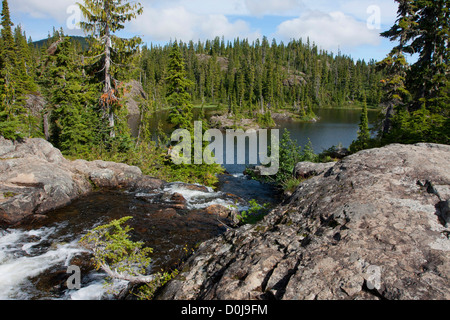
36,178
305,170
373,226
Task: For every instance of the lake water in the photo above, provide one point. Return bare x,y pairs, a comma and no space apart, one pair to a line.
34,258
334,127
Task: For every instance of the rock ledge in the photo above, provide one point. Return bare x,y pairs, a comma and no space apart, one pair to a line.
373,226
35,178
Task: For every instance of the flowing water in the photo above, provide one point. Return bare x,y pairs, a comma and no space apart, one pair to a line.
34,257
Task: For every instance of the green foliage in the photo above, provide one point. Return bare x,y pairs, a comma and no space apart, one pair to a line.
363,139
110,54
71,102
112,246
290,154
147,291
251,79
419,93
419,126
254,214
177,96
265,120
114,251
291,184
16,121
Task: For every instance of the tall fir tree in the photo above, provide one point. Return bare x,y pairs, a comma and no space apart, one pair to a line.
177,90
15,121
104,19
74,121
423,28
363,139
25,64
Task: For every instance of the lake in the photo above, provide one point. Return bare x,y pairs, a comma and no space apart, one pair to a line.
334,127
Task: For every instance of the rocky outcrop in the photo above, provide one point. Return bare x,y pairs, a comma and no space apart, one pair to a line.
372,226
305,170
134,93
35,178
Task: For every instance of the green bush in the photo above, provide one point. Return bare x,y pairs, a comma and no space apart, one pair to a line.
254,214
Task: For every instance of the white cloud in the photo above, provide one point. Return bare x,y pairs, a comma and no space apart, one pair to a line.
43,9
179,23
329,23
273,7
329,30
357,8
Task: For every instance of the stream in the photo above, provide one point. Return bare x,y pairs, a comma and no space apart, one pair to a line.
34,257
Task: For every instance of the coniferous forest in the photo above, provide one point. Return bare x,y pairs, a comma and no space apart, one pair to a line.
339,224
80,84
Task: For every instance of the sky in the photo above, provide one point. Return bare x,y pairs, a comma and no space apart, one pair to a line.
351,26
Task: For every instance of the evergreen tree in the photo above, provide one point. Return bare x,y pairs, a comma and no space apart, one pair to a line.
14,118
423,27
253,77
6,32
177,95
104,18
362,142
394,85
25,70
71,100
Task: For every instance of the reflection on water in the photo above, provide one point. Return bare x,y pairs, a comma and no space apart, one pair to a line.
335,126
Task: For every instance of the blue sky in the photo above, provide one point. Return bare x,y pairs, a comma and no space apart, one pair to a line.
352,26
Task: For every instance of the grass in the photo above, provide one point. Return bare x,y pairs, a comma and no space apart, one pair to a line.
291,184
9,194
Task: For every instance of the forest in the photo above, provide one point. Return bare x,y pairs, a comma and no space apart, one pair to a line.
74,92
81,84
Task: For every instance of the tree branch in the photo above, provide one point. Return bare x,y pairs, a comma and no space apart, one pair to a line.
121,276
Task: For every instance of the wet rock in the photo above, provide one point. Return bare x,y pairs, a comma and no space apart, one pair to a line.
147,184
35,178
221,211
191,187
362,229
175,200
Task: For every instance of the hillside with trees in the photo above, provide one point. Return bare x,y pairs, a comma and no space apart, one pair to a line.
250,78
82,88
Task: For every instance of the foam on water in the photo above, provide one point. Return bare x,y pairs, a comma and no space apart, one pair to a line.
20,259
96,289
25,254
197,199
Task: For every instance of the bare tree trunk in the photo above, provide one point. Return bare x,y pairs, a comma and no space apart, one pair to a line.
123,276
108,90
46,127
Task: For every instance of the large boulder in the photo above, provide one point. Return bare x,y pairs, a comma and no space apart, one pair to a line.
35,178
373,226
